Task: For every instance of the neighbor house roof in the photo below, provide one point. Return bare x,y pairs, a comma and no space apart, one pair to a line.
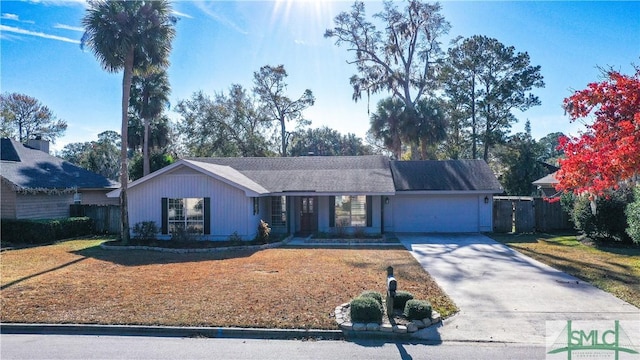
547,181
448,175
26,168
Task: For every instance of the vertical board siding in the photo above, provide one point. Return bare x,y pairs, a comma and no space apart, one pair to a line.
229,206
8,203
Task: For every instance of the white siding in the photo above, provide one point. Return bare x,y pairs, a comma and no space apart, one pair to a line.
7,202
231,209
43,206
486,213
438,213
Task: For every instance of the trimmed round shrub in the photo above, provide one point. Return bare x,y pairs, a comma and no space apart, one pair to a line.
365,309
417,309
372,294
401,299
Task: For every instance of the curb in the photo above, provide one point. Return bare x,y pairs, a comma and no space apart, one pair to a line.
169,331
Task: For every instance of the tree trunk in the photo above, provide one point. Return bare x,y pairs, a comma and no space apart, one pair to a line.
474,131
146,168
284,138
423,149
124,173
487,135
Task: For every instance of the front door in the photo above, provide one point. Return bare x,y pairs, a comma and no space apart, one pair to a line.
308,218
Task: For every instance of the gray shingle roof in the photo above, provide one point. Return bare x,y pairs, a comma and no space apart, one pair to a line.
320,174
448,175
27,168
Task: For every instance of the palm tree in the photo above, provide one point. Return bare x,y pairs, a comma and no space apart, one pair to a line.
149,97
128,35
386,124
426,126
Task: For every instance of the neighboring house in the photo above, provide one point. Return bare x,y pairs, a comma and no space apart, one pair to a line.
547,186
217,197
36,185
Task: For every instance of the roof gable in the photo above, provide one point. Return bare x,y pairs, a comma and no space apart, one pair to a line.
29,169
222,173
447,175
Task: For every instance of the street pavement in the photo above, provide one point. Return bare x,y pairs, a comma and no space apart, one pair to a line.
54,347
505,296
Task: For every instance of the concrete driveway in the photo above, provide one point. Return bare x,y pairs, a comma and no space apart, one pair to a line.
505,296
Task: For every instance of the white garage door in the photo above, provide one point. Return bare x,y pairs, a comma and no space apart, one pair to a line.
429,213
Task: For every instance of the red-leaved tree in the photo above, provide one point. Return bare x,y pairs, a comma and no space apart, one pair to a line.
608,152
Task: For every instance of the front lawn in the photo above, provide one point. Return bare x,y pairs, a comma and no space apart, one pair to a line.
77,282
613,269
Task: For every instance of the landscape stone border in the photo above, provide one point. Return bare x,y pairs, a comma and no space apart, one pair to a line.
342,316
105,246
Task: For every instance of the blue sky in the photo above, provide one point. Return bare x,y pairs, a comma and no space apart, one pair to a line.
219,43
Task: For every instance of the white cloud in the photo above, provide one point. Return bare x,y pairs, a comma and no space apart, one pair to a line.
206,7
16,30
69,27
60,2
8,16
181,14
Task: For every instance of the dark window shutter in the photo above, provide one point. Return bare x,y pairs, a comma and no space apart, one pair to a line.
207,216
165,215
369,211
332,211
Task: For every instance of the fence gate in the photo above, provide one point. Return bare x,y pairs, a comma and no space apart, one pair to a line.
106,218
522,214
502,216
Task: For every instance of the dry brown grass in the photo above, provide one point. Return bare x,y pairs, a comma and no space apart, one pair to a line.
77,282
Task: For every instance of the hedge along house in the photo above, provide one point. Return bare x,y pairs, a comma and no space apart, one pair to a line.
36,185
218,197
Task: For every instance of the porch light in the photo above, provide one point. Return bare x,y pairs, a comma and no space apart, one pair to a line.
386,200
486,199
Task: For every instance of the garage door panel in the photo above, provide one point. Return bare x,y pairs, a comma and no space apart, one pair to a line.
436,213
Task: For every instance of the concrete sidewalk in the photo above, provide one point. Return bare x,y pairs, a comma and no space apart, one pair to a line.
505,296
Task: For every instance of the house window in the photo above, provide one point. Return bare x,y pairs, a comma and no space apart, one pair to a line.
279,211
187,213
256,206
351,210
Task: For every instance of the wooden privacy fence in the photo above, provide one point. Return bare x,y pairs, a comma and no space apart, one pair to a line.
105,217
521,214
